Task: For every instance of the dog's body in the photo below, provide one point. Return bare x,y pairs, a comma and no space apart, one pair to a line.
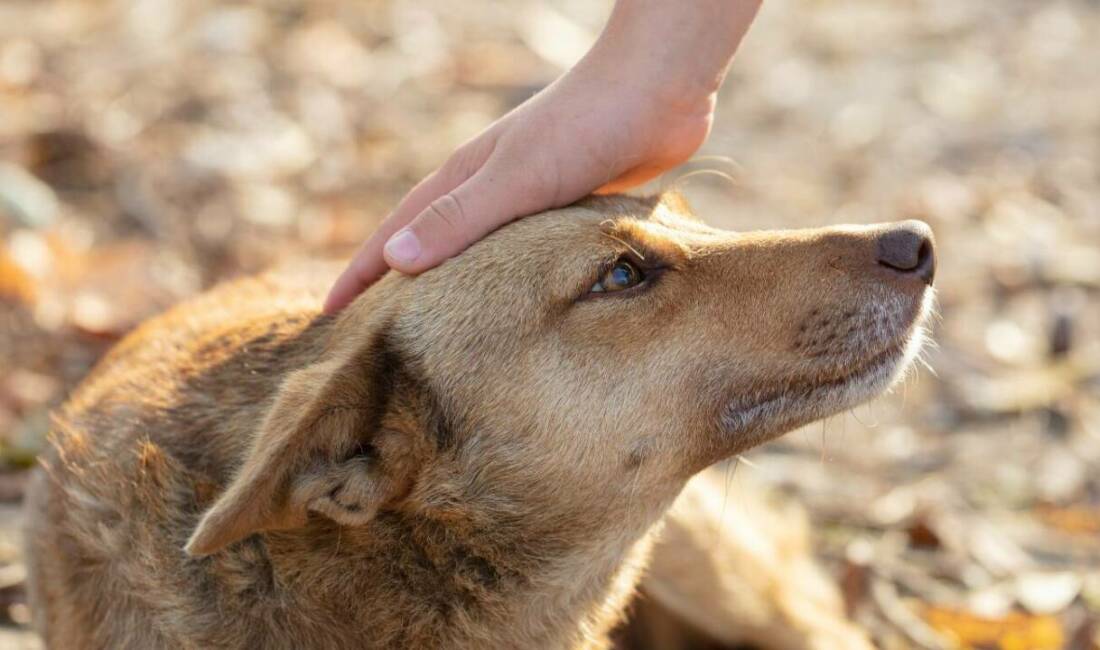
472,458
732,567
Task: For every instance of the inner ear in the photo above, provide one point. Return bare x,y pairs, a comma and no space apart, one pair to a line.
349,492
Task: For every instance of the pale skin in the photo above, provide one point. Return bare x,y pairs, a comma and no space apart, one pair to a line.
640,102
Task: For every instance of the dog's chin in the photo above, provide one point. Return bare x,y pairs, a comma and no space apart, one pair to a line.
769,415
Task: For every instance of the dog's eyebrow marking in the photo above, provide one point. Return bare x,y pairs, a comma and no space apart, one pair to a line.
653,248
624,243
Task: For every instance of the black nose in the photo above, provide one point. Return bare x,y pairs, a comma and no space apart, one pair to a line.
907,248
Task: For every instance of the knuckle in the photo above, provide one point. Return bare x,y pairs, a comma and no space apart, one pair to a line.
448,209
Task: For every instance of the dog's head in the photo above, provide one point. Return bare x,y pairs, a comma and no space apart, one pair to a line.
584,360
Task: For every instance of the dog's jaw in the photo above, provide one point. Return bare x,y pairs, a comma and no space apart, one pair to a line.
768,414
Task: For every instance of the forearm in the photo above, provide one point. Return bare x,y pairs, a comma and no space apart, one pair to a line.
681,48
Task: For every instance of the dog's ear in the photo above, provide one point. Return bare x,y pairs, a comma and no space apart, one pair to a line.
321,448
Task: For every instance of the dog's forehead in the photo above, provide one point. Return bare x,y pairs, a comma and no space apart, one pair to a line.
662,216
535,263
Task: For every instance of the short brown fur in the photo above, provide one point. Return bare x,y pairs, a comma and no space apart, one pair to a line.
471,458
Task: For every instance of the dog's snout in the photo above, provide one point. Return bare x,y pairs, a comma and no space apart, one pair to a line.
908,249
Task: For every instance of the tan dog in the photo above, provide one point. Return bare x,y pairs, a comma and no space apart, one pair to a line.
471,458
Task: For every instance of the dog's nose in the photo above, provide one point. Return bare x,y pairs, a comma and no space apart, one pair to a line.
908,249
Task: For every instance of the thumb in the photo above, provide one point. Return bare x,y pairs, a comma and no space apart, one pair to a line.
368,264
489,199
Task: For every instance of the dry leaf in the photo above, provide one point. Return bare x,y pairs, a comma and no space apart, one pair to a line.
1076,520
1015,631
15,284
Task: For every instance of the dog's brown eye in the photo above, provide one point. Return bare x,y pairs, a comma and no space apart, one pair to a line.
621,276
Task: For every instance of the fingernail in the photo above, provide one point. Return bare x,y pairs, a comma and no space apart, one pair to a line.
403,247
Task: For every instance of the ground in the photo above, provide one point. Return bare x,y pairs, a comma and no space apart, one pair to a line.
150,148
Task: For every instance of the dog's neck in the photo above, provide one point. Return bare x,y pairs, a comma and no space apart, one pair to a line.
414,580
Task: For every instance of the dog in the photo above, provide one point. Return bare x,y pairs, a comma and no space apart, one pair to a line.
476,457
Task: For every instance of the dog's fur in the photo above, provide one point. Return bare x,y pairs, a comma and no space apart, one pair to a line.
732,567
471,458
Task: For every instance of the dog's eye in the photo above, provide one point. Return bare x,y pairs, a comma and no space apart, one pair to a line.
623,275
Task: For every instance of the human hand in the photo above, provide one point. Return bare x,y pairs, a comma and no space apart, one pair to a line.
633,108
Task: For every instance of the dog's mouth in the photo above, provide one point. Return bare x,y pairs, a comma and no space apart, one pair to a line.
775,410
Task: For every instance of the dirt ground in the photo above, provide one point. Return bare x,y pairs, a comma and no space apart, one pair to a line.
151,148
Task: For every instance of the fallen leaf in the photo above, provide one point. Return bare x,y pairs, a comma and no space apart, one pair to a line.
1014,631
1075,520
15,284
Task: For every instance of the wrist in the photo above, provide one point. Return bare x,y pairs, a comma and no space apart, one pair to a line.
677,50
644,82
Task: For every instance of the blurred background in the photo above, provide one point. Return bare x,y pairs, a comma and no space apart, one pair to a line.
151,148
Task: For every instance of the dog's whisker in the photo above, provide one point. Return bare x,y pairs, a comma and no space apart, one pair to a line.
626,244
731,469
823,453
680,180
742,459
924,362
873,422
716,158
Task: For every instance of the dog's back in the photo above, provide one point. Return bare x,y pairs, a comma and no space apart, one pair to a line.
134,452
